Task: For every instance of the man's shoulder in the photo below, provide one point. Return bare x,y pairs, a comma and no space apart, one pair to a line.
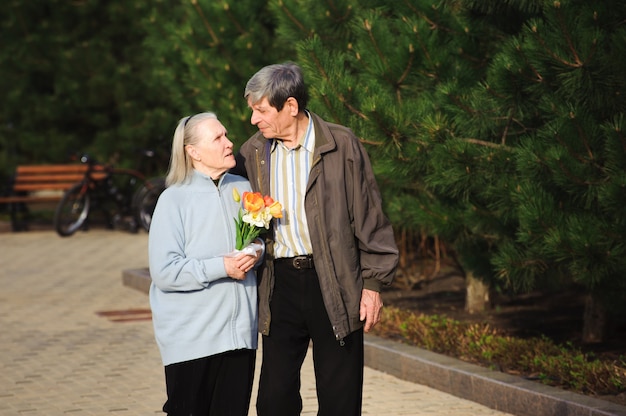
334,136
255,141
333,127
340,128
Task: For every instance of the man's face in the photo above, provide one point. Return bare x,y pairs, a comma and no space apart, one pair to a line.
271,123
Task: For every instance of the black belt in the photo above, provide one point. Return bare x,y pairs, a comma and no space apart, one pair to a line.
298,262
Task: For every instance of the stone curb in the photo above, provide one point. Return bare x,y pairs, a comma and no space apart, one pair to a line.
493,389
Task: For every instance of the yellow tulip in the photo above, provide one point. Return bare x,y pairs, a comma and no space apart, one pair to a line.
276,210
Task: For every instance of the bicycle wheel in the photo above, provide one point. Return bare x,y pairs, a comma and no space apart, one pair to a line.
72,211
145,199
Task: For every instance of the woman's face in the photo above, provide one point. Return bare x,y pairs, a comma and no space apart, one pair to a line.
213,153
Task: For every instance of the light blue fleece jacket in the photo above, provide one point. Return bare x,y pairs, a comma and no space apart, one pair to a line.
198,311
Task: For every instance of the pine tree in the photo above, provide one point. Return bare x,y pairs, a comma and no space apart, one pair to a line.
496,125
76,78
537,146
380,76
110,78
558,87
221,45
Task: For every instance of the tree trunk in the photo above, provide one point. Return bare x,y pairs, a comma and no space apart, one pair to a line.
594,321
477,294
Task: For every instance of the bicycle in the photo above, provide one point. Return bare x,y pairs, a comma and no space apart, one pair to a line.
126,193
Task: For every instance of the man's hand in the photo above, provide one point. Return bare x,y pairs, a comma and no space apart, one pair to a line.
371,307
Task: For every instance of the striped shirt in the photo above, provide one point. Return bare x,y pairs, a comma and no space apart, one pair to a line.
289,179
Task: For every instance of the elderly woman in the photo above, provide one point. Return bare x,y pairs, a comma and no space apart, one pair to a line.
203,299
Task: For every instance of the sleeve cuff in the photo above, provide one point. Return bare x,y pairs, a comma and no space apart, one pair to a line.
372,284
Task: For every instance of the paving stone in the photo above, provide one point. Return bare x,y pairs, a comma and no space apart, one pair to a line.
62,356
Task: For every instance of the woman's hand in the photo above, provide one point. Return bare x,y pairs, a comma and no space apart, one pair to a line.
237,267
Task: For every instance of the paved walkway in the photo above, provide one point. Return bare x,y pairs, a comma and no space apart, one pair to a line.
75,341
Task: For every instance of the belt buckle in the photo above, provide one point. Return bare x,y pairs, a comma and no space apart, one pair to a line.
301,262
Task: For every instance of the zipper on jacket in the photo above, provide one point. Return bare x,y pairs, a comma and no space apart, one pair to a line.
224,210
259,175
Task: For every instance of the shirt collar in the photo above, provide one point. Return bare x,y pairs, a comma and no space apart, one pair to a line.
309,137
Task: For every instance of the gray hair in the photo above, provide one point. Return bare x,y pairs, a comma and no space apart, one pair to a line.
181,165
278,82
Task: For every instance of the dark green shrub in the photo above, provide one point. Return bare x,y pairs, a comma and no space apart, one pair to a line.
535,358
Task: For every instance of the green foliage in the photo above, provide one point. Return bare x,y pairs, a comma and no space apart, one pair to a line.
560,78
391,78
497,126
221,45
535,358
77,79
112,78
460,111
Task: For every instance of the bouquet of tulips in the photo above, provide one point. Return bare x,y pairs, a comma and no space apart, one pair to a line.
255,214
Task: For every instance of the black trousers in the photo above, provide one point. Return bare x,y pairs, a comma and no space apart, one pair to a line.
219,385
299,316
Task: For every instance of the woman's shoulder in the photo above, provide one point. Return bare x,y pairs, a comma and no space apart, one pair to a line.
175,191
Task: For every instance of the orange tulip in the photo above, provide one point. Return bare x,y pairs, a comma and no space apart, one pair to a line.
253,201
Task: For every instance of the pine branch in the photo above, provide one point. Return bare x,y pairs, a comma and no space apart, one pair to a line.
433,25
370,142
539,77
232,18
578,62
207,25
506,127
293,19
381,56
406,72
487,144
568,37
582,160
553,54
583,136
328,105
339,95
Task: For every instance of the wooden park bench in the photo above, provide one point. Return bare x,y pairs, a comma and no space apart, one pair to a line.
38,184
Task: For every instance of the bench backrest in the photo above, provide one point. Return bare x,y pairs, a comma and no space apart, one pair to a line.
47,177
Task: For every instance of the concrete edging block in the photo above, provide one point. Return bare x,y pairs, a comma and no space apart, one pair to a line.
500,391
